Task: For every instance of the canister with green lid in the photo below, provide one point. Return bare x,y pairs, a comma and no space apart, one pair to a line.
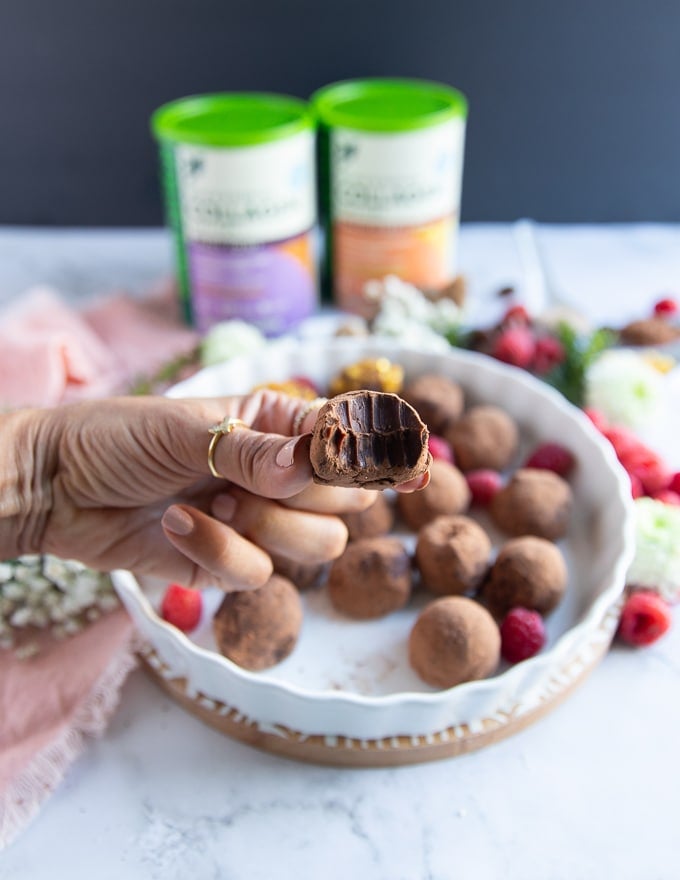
240,193
391,160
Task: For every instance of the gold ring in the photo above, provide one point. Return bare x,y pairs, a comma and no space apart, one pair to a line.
305,411
226,426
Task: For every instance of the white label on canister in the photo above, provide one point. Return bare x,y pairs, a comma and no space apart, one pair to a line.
397,178
247,195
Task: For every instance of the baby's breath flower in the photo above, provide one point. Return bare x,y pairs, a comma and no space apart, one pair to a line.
656,564
229,339
405,313
624,387
50,594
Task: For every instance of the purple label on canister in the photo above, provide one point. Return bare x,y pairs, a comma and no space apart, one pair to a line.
272,286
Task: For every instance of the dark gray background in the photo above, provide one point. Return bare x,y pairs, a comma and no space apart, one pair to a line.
574,106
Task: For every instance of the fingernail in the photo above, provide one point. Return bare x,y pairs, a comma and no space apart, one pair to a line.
424,481
177,521
224,507
285,457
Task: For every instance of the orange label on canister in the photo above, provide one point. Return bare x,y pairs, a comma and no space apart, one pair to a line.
421,254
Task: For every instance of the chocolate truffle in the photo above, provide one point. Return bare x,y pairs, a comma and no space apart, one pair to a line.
368,439
371,578
305,576
533,502
446,493
484,437
438,400
452,555
650,331
257,629
372,522
528,571
453,640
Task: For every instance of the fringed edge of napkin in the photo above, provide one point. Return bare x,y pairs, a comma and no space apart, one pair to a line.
22,800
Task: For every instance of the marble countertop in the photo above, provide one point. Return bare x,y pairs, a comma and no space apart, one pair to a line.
589,791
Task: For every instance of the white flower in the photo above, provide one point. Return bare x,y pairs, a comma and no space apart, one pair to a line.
229,339
624,387
43,592
656,564
408,315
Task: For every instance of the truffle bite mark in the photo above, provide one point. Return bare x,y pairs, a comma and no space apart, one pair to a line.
368,438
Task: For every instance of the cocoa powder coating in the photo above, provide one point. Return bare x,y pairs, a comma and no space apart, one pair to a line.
529,572
484,437
534,502
259,628
452,554
372,578
447,493
454,640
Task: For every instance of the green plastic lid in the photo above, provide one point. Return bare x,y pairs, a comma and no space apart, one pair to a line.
231,119
387,104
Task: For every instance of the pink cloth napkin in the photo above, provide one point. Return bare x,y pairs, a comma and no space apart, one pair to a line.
49,704
52,354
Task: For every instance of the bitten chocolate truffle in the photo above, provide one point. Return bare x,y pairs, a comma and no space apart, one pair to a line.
376,520
446,493
534,502
528,571
438,400
452,554
368,439
371,578
259,628
484,437
454,640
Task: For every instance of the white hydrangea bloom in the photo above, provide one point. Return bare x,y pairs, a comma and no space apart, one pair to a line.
405,313
229,339
624,387
656,564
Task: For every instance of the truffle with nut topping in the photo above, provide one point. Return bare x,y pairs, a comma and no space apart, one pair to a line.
447,493
454,640
259,628
372,578
529,572
484,437
533,502
452,555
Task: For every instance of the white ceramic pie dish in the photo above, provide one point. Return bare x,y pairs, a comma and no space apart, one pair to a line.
352,679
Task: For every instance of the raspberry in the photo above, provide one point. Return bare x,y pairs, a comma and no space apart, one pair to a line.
637,490
644,619
623,441
674,484
551,457
440,448
522,634
515,346
597,418
549,353
654,476
666,307
667,496
516,315
483,484
182,606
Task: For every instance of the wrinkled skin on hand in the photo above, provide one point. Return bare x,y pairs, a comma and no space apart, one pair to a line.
125,483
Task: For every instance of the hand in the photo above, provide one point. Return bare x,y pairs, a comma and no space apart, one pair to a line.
125,483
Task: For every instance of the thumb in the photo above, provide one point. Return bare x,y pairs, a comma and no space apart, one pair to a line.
270,465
